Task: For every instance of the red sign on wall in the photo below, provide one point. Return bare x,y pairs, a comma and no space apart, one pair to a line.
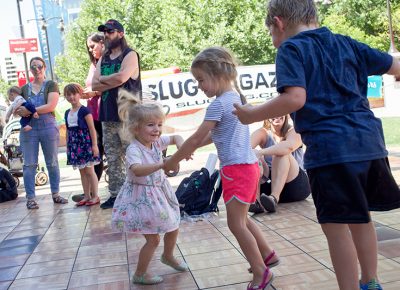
22,78
23,45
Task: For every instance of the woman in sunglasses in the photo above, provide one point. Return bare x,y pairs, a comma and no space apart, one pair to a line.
44,95
281,153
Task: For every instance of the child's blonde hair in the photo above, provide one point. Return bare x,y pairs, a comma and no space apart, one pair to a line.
294,12
217,62
133,112
14,89
73,89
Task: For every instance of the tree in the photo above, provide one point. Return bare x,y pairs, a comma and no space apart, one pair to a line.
364,20
171,32
4,86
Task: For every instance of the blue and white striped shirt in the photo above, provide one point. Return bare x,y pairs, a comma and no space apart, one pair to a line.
231,138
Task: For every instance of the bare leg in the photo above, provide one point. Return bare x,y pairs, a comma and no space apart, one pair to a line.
343,254
365,240
169,246
284,169
93,182
237,223
262,244
146,253
85,183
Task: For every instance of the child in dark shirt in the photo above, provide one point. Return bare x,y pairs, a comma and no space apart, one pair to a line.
322,80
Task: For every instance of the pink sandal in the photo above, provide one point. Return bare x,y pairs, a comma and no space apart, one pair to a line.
265,282
266,261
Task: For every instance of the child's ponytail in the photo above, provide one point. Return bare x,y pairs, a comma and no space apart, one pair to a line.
125,101
133,112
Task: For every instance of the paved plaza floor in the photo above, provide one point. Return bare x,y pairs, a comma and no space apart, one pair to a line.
65,247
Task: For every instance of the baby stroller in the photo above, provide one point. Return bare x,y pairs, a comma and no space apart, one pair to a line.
12,156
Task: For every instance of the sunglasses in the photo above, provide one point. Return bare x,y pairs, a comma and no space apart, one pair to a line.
277,118
110,31
35,67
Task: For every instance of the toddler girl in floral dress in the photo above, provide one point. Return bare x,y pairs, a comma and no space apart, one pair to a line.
146,203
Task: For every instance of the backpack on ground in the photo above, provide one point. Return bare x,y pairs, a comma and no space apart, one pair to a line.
8,188
199,193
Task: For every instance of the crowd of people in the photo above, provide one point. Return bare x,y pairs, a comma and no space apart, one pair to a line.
321,81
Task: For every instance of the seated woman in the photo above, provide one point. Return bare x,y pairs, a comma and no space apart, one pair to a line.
284,178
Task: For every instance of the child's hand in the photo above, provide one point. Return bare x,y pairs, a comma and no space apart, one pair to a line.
22,112
244,113
95,151
35,115
258,154
189,157
169,166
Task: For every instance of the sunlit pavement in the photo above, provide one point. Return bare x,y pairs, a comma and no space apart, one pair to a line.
65,247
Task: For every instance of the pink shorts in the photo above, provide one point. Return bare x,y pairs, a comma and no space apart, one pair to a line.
240,181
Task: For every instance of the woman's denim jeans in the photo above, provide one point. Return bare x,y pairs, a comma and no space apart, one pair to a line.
46,133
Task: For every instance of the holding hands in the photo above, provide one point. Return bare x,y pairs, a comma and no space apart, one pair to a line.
170,166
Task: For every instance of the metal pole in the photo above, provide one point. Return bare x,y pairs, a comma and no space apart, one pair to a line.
392,48
21,27
48,48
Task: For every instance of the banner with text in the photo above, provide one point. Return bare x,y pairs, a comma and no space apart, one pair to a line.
180,95
183,101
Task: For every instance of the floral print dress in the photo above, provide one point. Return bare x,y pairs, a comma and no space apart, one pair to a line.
146,204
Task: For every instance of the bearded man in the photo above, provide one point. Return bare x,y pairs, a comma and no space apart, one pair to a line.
118,68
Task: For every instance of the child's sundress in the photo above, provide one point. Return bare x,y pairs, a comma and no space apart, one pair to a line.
146,204
79,143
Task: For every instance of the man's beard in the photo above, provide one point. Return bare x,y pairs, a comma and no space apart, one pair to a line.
113,43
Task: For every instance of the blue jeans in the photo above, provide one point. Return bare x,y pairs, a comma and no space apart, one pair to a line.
46,133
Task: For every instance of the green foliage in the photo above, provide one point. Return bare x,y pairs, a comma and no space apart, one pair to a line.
391,131
364,20
171,32
4,86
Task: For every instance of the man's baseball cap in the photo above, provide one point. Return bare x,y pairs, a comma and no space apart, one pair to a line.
111,24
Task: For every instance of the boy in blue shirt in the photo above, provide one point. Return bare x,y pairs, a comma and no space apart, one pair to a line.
322,80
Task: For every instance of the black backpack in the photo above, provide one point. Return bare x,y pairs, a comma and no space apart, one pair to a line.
8,188
199,193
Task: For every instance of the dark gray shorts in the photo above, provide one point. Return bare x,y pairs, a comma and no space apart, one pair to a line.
346,192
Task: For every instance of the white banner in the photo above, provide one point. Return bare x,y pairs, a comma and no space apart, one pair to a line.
179,94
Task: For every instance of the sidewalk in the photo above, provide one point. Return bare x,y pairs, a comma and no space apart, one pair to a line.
63,247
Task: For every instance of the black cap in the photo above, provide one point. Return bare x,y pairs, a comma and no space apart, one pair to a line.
111,24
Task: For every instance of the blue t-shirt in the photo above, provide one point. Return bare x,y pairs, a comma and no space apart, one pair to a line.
335,123
231,138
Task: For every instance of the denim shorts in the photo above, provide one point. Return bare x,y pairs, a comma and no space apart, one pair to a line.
346,192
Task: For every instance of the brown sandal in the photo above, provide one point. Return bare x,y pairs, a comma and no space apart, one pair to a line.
32,204
59,199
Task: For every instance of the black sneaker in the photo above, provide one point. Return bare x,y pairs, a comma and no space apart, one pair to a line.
268,202
78,197
109,203
256,208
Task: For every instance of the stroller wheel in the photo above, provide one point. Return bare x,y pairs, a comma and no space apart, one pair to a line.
41,178
16,179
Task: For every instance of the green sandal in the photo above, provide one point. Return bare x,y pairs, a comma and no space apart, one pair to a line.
146,281
181,267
